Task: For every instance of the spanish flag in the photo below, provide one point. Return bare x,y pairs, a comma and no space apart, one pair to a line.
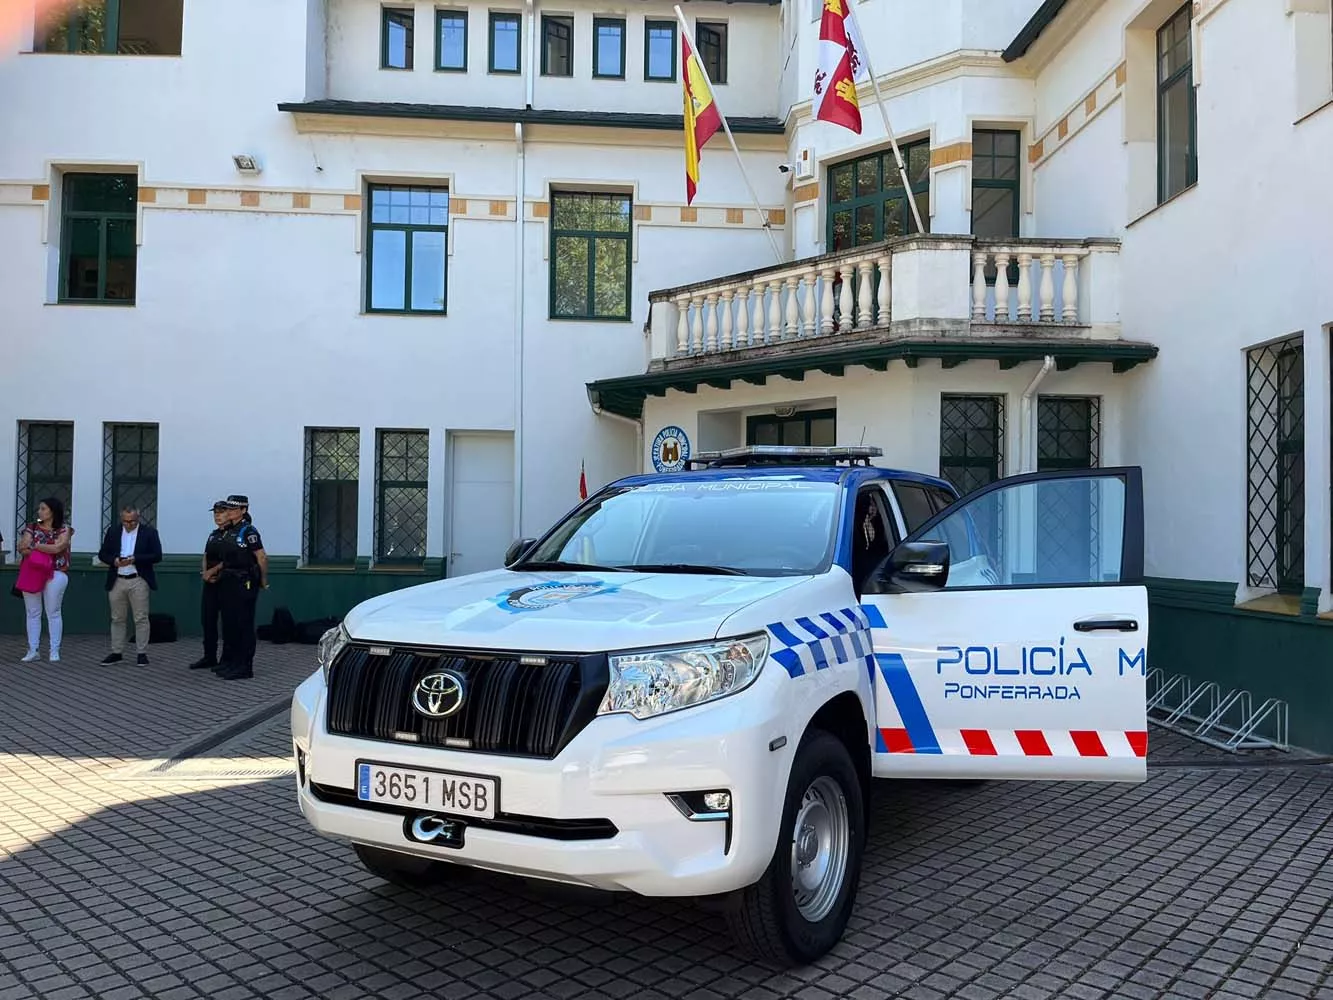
702,118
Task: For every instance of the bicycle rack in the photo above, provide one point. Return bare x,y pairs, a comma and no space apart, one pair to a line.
1228,721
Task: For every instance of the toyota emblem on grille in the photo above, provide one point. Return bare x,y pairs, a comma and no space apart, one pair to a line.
438,695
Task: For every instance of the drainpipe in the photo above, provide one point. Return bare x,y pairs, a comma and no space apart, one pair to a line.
519,308
1027,437
638,433
532,50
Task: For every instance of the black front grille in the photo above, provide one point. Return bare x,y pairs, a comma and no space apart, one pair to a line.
520,704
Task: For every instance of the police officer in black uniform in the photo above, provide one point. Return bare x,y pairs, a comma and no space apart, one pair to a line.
244,574
210,604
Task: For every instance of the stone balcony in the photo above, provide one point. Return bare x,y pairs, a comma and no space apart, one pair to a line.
951,298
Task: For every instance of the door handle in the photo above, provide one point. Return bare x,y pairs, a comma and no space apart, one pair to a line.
1106,625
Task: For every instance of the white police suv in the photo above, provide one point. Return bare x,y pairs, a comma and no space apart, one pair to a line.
686,686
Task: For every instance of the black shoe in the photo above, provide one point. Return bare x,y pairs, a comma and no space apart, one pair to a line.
236,673
204,663
111,658
141,660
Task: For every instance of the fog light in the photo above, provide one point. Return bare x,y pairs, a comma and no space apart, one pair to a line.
718,801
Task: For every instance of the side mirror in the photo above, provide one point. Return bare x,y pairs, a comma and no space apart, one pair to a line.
516,549
911,568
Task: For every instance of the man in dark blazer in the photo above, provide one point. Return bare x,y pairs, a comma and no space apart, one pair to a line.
130,551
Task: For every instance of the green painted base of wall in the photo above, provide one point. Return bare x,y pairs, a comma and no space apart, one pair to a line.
1195,629
310,592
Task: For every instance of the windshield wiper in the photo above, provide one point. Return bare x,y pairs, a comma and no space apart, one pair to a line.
558,564
683,568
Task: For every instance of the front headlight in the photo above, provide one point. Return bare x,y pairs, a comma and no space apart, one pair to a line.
655,681
331,643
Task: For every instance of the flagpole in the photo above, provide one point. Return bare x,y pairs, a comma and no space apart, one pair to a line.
763,218
884,114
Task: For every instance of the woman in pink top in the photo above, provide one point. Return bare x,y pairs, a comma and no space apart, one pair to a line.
49,534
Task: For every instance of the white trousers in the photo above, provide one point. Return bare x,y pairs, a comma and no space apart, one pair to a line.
51,597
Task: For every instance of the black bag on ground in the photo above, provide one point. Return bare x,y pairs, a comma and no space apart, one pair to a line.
161,627
281,630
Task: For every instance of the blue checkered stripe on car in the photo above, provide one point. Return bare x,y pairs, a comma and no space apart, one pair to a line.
817,642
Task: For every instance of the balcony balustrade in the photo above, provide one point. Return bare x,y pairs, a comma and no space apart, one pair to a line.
934,286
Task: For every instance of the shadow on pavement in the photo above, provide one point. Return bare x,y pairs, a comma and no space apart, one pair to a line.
1193,884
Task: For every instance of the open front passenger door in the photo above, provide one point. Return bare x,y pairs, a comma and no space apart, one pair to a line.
1010,634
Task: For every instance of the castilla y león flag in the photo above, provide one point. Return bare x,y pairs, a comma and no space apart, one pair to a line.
702,118
840,68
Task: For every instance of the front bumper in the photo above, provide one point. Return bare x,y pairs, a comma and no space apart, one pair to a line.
596,815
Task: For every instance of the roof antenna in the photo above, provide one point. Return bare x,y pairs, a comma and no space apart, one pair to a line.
863,435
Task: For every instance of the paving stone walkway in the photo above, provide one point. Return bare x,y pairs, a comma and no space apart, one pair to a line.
139,860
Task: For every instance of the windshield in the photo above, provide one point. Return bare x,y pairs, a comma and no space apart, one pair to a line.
759,527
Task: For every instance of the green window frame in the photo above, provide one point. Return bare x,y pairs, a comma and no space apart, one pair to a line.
411,222
591,255
996,167
403,20
45,466
611,31
454,20
1177,161
402,493
511,24
655,30
557,45
110,27
1275,480
711,37
332,495
799,429
866,200
129,471
98,238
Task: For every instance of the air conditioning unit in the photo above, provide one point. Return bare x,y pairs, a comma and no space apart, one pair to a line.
805,164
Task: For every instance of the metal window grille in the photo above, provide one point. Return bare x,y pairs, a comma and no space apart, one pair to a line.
129,471
971,440
1275,528
972,452
332,473
1068,432
401,469
1069,437
45,467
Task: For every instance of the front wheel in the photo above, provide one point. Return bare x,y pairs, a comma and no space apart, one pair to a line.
799,908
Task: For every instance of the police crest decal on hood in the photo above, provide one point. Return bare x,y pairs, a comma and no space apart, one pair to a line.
546,595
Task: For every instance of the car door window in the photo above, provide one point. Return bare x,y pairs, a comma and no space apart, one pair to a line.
915,504
1044,532
871,538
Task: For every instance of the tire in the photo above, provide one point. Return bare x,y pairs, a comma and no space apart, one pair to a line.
824,793
403,870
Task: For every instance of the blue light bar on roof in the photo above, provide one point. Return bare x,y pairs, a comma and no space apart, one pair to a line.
792,453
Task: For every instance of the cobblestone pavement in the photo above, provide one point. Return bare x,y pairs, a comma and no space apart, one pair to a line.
134,864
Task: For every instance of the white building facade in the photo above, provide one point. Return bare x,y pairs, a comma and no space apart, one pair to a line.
469,222
382,334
